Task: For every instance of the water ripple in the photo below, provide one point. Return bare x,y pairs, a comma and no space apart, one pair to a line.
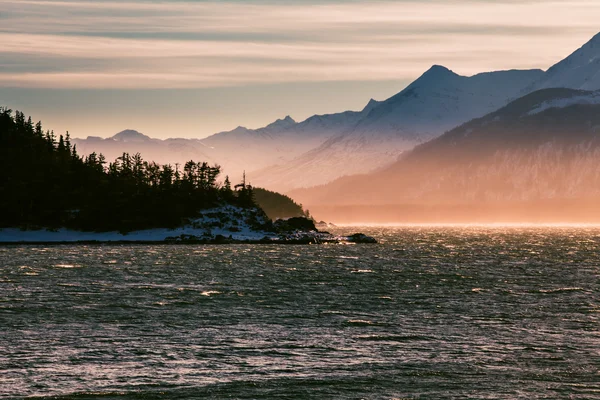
427,313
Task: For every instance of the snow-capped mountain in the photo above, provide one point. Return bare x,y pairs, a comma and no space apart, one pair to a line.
439,100
277,143
436,102
541,150
581,70
238,150
288,154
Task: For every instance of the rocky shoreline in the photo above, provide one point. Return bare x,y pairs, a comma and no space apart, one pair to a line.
225,225
292,238
300,239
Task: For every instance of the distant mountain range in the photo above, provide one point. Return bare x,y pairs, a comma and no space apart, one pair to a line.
434,103
541,149
288,154
170,151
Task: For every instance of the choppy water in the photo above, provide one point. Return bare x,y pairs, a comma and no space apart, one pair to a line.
429,313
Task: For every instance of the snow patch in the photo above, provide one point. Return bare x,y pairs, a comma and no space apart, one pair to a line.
587,99
227,224
226,221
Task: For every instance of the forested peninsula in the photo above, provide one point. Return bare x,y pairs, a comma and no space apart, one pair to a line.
47,187
46,184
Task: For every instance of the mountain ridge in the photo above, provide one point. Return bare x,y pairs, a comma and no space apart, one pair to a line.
130,135
287,154
521,155
436,101
579,70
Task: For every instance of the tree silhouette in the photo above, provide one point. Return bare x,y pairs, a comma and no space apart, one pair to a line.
46,184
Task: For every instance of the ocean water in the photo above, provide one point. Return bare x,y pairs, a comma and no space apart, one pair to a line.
429,313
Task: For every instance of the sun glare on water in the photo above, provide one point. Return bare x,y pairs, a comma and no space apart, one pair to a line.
499,225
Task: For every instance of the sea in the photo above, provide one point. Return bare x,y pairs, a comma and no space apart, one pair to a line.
455,312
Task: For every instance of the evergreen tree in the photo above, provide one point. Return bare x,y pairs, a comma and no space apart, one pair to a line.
45,183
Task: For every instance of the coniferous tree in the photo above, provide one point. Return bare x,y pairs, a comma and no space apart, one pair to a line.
45,183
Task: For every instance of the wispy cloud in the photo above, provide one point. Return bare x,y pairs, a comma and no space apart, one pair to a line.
176,44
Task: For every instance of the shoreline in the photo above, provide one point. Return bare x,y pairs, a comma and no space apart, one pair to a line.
223,225
296,238
178,243
167,243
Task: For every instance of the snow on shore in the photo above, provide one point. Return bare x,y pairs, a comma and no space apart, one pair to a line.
226,221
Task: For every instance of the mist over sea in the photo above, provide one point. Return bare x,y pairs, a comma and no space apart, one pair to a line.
428,313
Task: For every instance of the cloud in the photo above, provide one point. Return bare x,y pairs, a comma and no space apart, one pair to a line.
176,44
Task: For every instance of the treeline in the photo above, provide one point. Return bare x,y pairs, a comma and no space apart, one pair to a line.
44,183
277,205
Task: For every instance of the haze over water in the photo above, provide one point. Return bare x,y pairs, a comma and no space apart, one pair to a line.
427,313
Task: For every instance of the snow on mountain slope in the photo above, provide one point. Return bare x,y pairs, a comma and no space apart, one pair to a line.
543,146
585,98
277,143
333,159
581,70
288,154
238,150
436,102
439,100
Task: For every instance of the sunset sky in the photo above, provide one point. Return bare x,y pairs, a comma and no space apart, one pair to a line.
192,68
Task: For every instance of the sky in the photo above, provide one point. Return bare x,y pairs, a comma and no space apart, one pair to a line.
193,68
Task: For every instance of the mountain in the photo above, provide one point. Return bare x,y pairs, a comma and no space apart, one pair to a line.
537,157
170,151
130,135
238,150
277,143
287,154
581,70
437,101
441,99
